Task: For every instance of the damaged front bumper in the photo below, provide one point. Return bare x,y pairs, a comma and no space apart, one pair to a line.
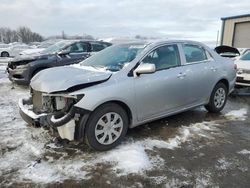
19,76
65,125
25,110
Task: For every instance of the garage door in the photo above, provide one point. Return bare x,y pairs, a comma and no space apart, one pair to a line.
242,35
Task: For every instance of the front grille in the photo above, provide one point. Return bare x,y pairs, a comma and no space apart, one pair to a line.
37,101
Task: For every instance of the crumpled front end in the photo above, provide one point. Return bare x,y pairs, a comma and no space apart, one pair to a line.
56,111
19,71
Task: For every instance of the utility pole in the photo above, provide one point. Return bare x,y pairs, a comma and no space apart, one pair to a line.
217,40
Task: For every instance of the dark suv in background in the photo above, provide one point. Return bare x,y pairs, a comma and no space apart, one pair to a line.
66,52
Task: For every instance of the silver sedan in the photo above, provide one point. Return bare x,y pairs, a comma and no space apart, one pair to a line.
125,86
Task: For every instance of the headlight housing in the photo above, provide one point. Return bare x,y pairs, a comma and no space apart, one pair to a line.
22,66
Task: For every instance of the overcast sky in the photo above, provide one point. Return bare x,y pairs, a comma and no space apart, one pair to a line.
196,19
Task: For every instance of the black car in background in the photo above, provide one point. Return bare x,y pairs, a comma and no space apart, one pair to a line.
66,52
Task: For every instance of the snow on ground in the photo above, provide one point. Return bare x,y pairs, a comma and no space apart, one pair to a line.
244,152
235,115
223,164
139,160
5,59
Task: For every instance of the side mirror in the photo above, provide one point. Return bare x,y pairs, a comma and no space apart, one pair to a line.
144,68
63,52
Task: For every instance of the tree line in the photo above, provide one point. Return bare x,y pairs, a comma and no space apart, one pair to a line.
22,34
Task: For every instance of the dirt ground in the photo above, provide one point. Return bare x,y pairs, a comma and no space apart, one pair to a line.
191,149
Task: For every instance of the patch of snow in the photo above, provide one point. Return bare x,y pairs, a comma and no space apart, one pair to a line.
5,59
172,143
203,179
223,164
128,158
244,152
184,134
96,69
237,114
47,172
132,157
174,182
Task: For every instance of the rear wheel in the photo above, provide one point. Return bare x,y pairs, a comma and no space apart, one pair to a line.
218,98
5,54
106,127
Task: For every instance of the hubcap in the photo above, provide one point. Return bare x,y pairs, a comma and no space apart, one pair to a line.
108,128
219,98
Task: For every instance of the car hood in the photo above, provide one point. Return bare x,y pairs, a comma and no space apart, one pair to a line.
34,56
243,64
67,78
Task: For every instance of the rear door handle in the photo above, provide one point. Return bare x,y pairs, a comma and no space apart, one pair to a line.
213,69
181,75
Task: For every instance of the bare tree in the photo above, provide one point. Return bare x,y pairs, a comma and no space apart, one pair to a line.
22,34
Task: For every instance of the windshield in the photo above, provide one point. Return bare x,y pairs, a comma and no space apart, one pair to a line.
246,56
115,57
56,47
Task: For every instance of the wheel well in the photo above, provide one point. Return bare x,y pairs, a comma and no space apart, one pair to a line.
124,106
224,81
37,70
4,52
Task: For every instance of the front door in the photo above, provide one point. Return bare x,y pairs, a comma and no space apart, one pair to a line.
78,51
164,90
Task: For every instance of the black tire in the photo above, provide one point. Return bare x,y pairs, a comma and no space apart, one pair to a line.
211,106
92,123
5,54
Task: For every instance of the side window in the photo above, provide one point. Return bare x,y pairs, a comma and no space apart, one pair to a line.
164,57
77,47
194,53
83,46
97,47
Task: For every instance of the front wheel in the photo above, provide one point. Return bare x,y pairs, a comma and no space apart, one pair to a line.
106,127
218,98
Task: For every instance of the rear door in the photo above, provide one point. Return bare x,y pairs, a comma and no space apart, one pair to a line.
202,73
164,90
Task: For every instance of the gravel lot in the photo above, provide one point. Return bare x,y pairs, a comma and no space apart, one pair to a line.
192,149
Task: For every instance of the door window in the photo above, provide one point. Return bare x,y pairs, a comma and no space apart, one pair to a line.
164,57
97,47
77,47
194,53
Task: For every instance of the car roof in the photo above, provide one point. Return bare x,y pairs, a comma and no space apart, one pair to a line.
159,42
82,40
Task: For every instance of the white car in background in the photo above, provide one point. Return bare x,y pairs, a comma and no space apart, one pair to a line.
243,70
13,50
4,48
31,51
39,47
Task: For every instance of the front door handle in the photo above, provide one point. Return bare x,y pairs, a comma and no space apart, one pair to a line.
181,75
